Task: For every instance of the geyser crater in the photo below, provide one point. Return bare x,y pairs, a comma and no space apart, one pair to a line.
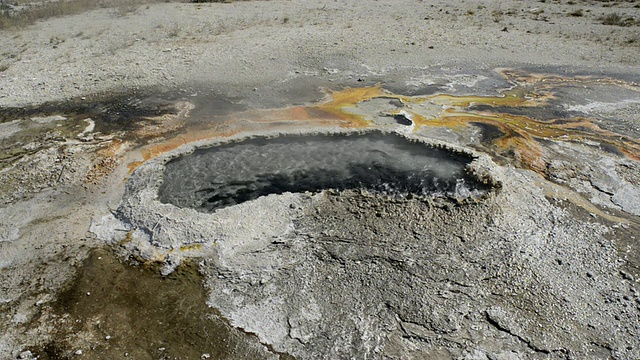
382,163
178,204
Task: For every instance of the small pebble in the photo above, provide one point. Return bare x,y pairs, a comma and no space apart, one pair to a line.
25,355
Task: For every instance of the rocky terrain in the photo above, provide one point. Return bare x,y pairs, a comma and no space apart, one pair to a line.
544,96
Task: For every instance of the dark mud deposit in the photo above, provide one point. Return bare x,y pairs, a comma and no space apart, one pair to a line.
114,310
111,112
212,178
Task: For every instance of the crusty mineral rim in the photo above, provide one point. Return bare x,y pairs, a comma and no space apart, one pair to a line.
158,229
481,168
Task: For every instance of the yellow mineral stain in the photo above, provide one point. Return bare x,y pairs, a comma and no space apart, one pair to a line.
520,139
192,247
341,100
559,192
509,99
351,96
548,82
133,165
521,133
329,113
113,148
527,152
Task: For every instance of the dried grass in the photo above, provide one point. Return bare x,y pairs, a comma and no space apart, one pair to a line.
618,20
12,18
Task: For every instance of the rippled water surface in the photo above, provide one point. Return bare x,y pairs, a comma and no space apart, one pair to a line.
216,177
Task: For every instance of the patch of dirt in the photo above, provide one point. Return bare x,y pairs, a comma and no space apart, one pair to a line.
113,309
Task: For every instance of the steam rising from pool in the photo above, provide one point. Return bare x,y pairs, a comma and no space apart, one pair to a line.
225,175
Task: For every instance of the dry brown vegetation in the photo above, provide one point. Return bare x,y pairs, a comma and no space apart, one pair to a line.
20,14
619,20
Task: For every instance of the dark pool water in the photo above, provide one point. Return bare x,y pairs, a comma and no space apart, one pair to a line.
225,175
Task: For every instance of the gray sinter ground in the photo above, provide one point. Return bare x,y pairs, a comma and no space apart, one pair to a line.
523,274
351,274
526,272
370,277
